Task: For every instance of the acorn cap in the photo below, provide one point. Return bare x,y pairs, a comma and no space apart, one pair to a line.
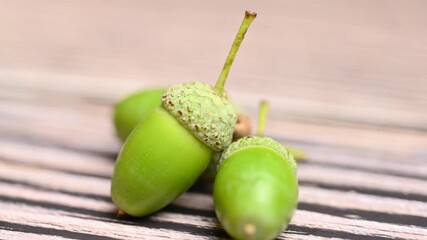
258,141
207,114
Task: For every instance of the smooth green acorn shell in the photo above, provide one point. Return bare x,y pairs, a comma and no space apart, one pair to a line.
207,114
131,110
159,161
255,193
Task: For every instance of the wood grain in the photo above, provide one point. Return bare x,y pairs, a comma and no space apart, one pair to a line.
345,80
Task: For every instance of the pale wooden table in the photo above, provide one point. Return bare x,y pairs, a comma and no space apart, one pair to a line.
346,80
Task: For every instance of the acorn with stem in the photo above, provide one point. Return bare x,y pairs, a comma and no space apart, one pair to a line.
169,150
134,108
256,187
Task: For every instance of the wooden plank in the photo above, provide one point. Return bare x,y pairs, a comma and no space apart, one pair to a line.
345,81
367,112
100,164
7,234
302,218
349,177
94,122
307,172
56,159
86,227
19,174
364,68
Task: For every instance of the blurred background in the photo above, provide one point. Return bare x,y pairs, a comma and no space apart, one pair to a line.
343,73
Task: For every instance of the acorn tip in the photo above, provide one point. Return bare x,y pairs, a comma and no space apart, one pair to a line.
249,229
120,213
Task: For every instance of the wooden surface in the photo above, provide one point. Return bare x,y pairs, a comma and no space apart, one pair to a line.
346,81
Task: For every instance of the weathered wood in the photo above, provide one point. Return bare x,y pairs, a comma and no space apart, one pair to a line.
71,208
346,83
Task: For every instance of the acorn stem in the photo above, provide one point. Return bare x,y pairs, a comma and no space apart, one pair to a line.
298,154
249,17
262,117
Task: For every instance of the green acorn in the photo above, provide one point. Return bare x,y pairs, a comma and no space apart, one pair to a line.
256,187
169,150
133,109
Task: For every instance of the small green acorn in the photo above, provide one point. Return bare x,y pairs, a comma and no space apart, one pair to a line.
133,109
165,154
256,187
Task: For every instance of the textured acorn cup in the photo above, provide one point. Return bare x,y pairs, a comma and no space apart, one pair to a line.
203,111
166,153
256,188
249,141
